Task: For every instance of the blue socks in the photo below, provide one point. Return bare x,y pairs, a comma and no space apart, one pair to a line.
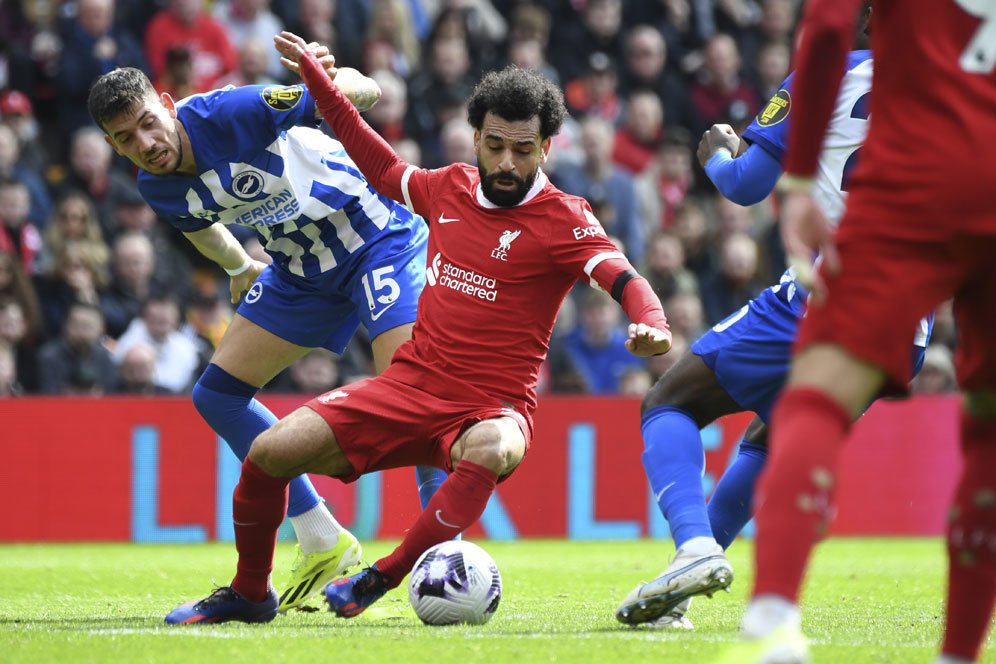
732,502
674,460
429,479
229,406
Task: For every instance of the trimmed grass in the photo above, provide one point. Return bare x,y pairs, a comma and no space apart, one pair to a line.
868,600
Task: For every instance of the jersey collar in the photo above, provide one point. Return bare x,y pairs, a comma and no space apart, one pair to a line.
537,187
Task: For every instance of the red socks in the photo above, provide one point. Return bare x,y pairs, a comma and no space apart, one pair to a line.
458,503
259,505
972,544
795,493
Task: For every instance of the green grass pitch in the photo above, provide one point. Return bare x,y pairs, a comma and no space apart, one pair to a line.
866,601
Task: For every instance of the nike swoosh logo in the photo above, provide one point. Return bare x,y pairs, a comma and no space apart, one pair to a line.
444,220
439,518
252,523
375,316
661,492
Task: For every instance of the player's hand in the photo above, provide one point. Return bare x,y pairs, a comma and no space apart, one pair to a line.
240,283
805,231
645,340
292,48
717,137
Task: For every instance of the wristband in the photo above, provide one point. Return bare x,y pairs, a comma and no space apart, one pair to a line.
240,269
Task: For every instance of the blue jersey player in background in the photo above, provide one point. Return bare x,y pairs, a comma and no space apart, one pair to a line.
342,254
739,365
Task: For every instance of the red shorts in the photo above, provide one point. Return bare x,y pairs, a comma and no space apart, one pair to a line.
893,274
382,423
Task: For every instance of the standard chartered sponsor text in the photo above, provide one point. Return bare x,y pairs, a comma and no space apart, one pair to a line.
468,282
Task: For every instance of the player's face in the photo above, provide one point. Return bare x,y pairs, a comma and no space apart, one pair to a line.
147,134
509,154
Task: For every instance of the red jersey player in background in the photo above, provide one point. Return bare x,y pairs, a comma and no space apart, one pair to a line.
919,228
505,248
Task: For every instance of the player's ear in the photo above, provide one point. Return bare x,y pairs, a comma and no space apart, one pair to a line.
477,141
168,102
113,146
545,149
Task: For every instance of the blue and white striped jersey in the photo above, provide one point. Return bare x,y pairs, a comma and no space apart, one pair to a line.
262,163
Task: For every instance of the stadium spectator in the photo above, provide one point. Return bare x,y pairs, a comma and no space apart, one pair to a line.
17,112
634,382
645,68
667,181
772,68
595,347
172,265
77,275
601,181
642,132
134,281
247,21
685,314
75,221
436,95
595,93
597,27
91,172
339,24
18,236
76,362
457,142
389,116
12,167
9,383
665,267
252,69
735,282
14,333
178,357
92,45
692,228
528,54
15,284
137,372
719,94
391,28
315,373
184,24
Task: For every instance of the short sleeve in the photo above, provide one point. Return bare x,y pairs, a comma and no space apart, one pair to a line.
579,247
769,130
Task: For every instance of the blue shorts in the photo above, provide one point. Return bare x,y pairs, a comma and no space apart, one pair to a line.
750,351
378,286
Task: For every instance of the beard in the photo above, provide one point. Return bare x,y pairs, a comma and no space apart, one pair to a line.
506,197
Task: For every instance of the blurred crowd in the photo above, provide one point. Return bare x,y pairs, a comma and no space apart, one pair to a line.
97,296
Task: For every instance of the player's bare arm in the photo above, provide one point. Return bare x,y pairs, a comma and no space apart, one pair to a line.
219,245
806,232
362,90
717,137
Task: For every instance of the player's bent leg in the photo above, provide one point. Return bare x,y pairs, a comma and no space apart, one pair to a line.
687,398
481,454
731,504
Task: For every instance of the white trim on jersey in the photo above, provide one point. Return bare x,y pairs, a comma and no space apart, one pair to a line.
405,177
596,260
537,187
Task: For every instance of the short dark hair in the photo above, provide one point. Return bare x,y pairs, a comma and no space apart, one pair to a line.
117,92
517,94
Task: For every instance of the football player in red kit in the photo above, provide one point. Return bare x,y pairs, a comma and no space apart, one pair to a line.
919,228
505,248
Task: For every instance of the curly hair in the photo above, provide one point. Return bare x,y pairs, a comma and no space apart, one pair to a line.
518,94
117,92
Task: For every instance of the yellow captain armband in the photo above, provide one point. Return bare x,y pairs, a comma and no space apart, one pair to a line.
788,183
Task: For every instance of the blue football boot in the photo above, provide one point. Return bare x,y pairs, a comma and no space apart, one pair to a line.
222,605
350,596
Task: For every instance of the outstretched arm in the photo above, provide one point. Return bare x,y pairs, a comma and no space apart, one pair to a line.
376,160
649,333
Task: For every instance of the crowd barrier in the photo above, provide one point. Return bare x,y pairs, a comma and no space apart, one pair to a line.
150,470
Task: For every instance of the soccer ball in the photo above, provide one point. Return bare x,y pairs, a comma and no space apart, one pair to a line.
455,582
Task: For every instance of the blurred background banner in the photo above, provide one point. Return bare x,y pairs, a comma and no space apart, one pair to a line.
150,470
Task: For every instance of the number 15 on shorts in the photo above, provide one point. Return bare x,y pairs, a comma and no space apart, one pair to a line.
380,287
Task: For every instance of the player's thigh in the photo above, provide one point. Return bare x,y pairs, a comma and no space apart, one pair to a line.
498,444
388,282
975,317
253,354
302,442
386,343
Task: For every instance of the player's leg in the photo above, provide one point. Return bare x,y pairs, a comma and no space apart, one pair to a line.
301,442
731,505
971,539
482,453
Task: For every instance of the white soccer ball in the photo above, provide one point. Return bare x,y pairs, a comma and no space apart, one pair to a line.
455,582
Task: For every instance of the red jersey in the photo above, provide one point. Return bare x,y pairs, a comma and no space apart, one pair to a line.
932,108
496,277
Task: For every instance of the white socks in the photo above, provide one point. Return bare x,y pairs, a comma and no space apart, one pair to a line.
316,529
767,613
950,659
700,546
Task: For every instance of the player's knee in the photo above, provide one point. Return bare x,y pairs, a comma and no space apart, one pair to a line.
201,397
486,446
264,453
